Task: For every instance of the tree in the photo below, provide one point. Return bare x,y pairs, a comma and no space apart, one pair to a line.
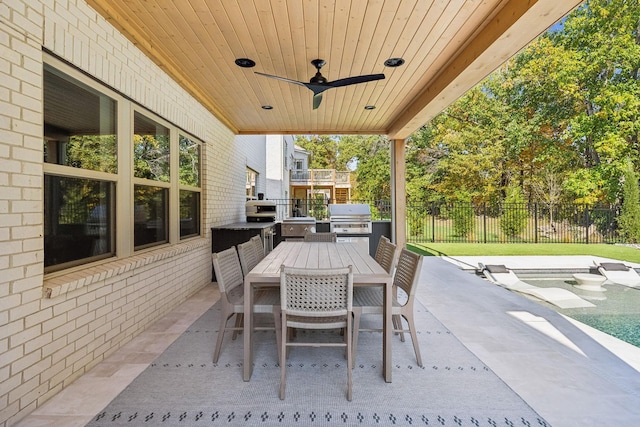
629,220
323,149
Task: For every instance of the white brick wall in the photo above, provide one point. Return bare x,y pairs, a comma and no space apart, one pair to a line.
56,328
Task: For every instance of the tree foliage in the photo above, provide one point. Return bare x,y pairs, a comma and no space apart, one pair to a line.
559,121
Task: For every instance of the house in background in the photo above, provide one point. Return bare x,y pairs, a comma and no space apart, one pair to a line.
311,186
296,187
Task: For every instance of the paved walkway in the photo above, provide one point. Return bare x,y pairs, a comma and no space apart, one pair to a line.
561,371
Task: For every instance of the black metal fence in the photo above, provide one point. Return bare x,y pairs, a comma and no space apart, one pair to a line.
470,223
512,223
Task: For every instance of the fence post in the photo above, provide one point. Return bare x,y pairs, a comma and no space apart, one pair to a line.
433,223
534,205
484,221
586,223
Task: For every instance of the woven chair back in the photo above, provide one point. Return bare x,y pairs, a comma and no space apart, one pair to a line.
316,292
320,237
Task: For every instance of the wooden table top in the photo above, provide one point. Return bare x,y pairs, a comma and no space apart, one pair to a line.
319,255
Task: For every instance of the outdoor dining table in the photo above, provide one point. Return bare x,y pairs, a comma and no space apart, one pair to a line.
366,272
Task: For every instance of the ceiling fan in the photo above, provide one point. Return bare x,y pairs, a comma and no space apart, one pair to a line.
318,83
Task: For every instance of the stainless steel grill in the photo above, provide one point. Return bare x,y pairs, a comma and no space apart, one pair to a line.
352,223
297,227
350,219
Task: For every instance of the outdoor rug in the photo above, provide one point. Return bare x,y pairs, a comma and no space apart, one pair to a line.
183,387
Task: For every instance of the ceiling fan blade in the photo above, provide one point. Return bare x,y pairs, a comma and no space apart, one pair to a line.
284,79
355,80
317,99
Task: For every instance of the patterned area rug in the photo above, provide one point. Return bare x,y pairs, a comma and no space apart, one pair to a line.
184,388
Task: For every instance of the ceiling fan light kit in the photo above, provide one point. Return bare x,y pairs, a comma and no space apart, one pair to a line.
318,83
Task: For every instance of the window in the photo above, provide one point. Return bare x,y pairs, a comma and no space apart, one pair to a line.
90,135
80,155
151,159
251,183
189,180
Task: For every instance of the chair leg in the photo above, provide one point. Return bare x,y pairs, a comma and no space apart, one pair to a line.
223,325
414,338
283,355
238,325
278,328
397,325
350,358
357,313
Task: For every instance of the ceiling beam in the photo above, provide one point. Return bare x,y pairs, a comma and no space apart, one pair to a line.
516,25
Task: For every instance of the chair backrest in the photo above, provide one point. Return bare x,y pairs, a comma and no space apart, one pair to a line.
408,271
320,237
258,245
248,256
226,265
381,243
386,255
316,292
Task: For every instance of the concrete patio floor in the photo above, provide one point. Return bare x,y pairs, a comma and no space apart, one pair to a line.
569,374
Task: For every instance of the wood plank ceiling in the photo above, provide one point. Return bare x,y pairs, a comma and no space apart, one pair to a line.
448,46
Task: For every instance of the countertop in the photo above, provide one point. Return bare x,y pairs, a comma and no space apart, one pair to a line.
244,226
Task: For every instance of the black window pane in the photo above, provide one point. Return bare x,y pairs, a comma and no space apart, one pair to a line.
79,124
189,214
78,221
150,216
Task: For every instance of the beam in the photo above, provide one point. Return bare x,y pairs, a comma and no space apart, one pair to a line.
398,193
517,24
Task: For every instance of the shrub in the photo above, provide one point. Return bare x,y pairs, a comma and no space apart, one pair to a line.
462,215
515,216
629,219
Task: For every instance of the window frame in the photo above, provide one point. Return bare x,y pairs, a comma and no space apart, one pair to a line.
124,180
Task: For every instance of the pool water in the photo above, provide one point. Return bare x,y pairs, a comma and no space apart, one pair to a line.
616,311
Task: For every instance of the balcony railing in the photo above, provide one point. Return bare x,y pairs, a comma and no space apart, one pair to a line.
319,176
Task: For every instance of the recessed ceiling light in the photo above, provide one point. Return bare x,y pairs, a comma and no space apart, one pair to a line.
245,62
369,107
267,107
394,62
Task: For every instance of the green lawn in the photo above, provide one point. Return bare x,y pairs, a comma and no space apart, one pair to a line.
622,253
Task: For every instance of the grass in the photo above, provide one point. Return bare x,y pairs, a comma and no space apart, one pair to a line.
622,253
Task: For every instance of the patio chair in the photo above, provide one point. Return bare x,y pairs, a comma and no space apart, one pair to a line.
320,237
505,277
370,300
316,299
620,274
386,254
249,256
259,246
231,283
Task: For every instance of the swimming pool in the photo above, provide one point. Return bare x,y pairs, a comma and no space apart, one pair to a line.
616,311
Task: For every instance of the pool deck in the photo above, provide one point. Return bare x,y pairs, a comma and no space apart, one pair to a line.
569,374
574,263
